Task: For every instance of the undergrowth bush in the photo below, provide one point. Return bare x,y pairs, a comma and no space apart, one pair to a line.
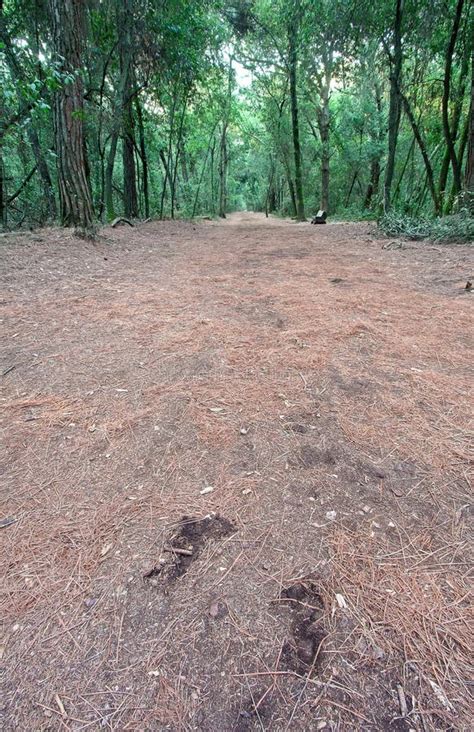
455,229
458,228
398,224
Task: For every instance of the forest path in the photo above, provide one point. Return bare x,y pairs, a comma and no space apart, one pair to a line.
252,218
237,472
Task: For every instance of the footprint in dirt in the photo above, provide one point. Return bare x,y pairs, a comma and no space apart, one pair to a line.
302,651
310,457
185,544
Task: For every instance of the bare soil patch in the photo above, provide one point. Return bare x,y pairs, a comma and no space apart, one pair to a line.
236,463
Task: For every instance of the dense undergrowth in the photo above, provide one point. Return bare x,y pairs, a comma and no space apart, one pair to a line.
454,229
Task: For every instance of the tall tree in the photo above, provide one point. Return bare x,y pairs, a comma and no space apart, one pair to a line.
470,153
454,124
223,146
375,147
293,26
68,26
448,133
125,11
395,60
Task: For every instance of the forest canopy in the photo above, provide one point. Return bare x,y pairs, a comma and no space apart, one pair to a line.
180,108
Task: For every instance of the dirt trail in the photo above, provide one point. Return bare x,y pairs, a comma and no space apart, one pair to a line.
249,218
236,477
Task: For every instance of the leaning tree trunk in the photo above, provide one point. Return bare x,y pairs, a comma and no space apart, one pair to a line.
293,63
67,17
455,124
395,103
424,153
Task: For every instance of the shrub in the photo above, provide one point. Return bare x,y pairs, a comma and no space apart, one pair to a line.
455,229
397,224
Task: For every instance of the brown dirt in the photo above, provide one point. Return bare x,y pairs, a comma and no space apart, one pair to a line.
319,384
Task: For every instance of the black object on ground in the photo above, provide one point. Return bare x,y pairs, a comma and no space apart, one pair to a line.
320,217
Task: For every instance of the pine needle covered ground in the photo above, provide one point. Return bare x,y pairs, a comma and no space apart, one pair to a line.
236,479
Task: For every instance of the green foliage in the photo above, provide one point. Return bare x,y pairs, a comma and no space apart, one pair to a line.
400,225
183,101
454,229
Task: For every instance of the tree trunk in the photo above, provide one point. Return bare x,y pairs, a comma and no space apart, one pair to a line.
168,161
395,104
469,179
424,153
101,145
223,172
67,18
130,198
291,187
143,157
125,20
223,151
3,193
270,198
324,119
213,199
355,178
118,117
323,124
44,174
293,63
196,197
183,162
3,209
272,201
456,118
109,176
178,154
448,133
167,178
373,187
375,168
409,159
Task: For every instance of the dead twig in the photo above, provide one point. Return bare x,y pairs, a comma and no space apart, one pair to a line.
178,550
